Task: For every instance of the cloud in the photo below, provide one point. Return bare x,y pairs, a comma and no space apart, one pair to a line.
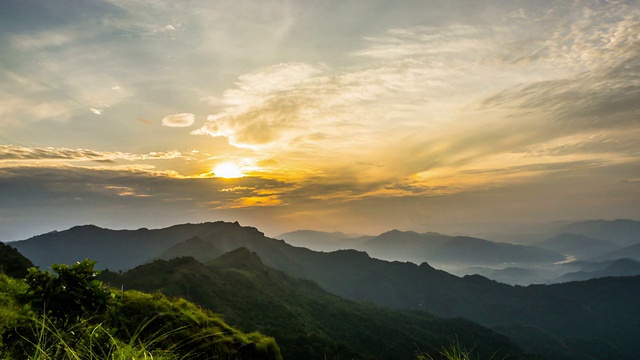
426,42
179,120
47,185
13,152
427,100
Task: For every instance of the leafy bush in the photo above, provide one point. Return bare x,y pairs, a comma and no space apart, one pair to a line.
69,294
71,315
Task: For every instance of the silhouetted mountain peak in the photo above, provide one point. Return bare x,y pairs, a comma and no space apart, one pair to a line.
425,265
194,246
396,232
88,227
240,258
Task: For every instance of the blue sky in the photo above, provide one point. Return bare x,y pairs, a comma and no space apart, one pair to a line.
358,116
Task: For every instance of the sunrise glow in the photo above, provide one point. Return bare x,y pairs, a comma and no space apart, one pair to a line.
227,171
355,116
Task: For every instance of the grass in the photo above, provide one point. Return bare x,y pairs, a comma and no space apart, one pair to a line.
452,352
85,341
128,325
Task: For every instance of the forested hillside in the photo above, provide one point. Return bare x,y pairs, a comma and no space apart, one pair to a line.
307,322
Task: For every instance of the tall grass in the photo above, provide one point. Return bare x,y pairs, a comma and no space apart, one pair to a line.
85,341
452,352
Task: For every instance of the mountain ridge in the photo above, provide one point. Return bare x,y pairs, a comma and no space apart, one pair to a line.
300,313
403,285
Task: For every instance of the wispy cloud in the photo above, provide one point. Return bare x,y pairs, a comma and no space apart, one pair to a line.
13,152
447,100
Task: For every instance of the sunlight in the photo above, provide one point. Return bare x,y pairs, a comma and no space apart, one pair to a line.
228,171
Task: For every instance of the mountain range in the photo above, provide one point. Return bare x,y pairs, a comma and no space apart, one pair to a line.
431,247
623,232
307,322
579,246
579,319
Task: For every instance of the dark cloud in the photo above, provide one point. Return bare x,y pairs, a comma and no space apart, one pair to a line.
41,185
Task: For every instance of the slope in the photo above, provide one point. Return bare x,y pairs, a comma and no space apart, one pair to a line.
100,323
453,250
308,323
201,250
580,246
629,252
623,232
12,262
620,267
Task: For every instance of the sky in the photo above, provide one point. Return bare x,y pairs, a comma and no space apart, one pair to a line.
358,116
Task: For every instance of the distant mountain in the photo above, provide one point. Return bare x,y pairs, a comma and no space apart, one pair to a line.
12,263
199,249
620,267
579,246
324,241
629,252
566,311
444,249
307,322
124,249
622,231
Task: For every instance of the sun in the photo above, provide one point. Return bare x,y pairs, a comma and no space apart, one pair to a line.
227,171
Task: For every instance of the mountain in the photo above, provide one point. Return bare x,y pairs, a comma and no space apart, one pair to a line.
630,252
307,322
578,246
124,249
324,241
621,231
12,263
620,267
201,250
511,275
454,250
592,311
556,309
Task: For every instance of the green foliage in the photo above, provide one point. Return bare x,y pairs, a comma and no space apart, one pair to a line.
307,322
71,315
70,293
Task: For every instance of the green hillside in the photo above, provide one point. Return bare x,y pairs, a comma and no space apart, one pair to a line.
12,263
308,322
71,315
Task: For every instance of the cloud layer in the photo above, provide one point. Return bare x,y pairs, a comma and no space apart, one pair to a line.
348,116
